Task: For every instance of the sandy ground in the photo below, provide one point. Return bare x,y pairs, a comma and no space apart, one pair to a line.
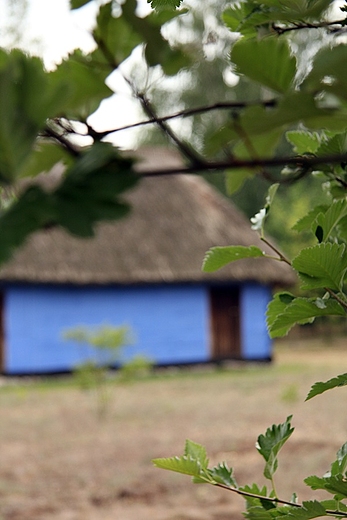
60,461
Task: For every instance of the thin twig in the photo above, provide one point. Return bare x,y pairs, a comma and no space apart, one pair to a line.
49,132
298,26
189,113
305,162
254,495
274,499
281,256
186,150
336,297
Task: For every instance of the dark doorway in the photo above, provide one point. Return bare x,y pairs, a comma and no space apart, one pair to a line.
225,323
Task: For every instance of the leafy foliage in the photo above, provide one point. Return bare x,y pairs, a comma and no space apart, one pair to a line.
267,61
323,265
28,97
319,388
292,125
194,462
164,4
269,445
282,317
218,257
308,109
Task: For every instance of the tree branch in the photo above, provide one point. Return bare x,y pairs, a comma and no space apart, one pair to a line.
281,256
185,149
274,499
189,113
301,162
50,132
298,26
337,298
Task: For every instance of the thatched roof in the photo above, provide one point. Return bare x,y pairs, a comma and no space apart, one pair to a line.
175,220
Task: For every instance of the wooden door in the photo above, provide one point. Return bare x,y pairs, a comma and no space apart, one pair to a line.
225,323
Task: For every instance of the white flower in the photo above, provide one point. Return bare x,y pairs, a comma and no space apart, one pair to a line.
258,219
320,303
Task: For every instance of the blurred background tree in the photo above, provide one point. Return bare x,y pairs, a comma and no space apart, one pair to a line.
212,81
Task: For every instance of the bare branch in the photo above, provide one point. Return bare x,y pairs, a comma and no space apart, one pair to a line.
184,148
281,256
303,163
298,26
61,139
189,113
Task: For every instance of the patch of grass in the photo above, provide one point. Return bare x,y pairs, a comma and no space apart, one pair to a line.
290,394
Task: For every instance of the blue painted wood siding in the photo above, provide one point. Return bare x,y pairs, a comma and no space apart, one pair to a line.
255,341
170,323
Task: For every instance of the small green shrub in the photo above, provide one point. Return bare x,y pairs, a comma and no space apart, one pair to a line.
107,343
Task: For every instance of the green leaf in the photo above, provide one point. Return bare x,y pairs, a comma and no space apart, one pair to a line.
337,484
319,387
184,464
252,501
304,141
164,4
45,155
292,108
308,510
306,222
116,39
258,221
335,145
30,212
339,466
334,505
194,462
245,17
89,191
271,195
234,179
323,265
331,218
275,308
257,120
281,317
196,451
223,475
157,48
76,4
268,61
270,444
218,257
86,85
27,99
295,10
262,145
328,72
258,513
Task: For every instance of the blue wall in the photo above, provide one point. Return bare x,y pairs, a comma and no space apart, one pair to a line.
255,341
170,323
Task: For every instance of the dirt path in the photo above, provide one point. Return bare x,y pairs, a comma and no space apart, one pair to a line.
60,462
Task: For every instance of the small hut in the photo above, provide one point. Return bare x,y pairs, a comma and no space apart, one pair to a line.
145,272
